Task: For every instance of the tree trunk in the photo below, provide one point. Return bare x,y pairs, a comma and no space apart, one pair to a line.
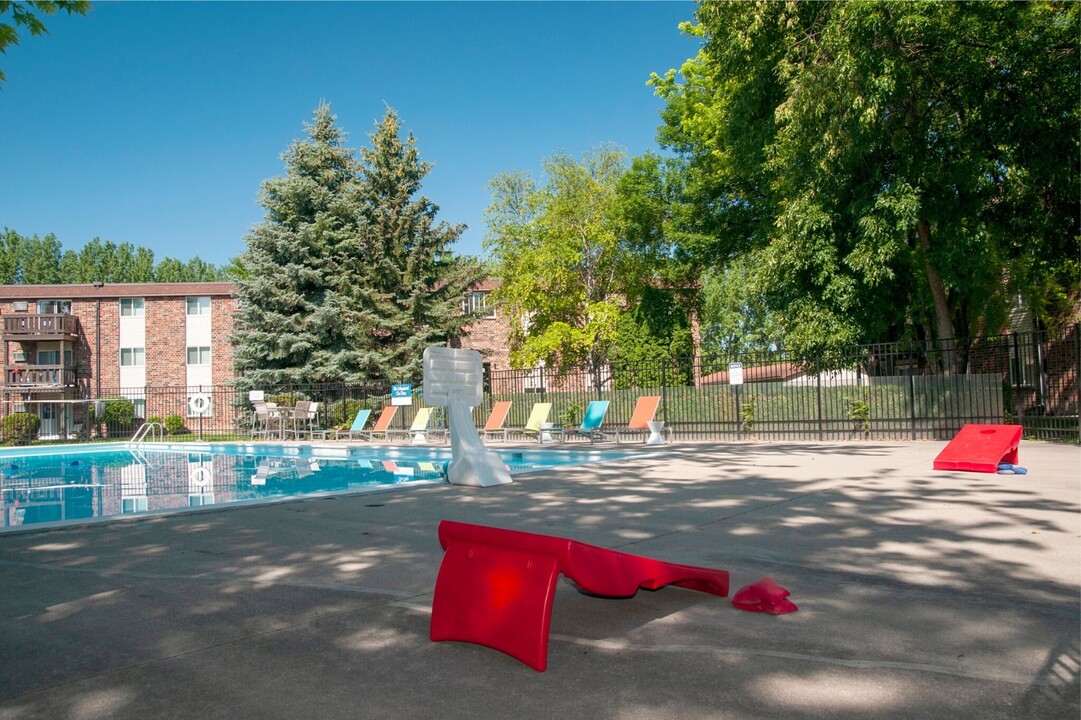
943,319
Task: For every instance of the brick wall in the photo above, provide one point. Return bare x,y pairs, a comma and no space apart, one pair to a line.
166,351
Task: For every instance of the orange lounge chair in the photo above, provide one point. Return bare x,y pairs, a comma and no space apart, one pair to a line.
382,423
644,411
496,420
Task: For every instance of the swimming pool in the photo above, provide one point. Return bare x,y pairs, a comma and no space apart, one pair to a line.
72,484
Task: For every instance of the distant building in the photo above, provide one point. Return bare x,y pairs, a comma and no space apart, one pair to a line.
65,345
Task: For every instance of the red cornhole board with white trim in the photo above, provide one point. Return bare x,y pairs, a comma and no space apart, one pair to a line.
495,587
980,448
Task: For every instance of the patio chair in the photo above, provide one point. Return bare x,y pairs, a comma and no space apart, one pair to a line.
537,416
358,424
260,419
591,422
496,419
644,412
302,418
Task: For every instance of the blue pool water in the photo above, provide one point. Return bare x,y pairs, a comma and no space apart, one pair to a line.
71,484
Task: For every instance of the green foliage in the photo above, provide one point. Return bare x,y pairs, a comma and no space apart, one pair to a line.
859,410
43,261
349,276
570,415
896,168
735,315
174,424
557,249
19,428
25,14
746,414
654,331
118,413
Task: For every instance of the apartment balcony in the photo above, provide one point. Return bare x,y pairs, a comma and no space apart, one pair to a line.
28,378
31,327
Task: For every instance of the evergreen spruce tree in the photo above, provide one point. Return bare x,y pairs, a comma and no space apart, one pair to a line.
407,285
349,277
289,328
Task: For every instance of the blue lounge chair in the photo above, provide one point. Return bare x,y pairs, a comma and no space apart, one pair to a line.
358,424
591,422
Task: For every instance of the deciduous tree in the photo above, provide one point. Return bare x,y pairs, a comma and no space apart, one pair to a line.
898,168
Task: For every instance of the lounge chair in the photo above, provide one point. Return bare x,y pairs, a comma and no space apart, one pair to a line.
591,422
418,432
644,412
537,417
496,419
382,423
358,424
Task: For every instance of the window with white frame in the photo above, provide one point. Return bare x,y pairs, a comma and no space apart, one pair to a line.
54,307
199,305
131,357
131,307
198,356
477,302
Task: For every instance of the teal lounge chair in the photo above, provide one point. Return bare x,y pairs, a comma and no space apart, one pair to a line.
591,422
358,424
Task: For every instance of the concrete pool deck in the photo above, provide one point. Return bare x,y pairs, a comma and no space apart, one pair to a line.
922,594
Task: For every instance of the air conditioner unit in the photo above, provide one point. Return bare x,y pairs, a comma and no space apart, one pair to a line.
20,306
19,356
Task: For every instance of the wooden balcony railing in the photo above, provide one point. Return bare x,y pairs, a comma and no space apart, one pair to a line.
38,376
40,327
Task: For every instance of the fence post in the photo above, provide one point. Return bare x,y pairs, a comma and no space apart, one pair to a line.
818,398
912,400
1015,381
664,391
1077,374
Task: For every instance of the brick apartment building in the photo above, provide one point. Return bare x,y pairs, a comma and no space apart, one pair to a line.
67,344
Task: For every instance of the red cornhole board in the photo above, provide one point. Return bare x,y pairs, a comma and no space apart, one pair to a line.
495,587
980,448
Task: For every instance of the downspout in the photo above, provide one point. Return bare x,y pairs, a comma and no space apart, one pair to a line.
97,350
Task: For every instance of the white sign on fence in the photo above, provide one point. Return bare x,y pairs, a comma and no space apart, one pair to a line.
401,394
735,373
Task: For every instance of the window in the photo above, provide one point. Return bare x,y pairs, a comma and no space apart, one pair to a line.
131,307
52,357
54,307
133,504
477,302
130,357
140,407
198,356
199,305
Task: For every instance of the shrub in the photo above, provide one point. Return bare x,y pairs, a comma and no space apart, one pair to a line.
20,428
174,424
118,413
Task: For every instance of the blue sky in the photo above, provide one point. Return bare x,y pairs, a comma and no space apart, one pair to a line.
155,123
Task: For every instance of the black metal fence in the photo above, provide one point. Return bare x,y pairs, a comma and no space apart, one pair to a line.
897,391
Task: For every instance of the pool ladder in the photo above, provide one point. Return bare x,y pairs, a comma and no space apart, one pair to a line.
154,429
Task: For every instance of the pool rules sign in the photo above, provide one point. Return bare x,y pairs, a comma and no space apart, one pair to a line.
735,373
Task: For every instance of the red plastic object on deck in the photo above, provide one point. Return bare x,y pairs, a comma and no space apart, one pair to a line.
980,448
495,587
764,596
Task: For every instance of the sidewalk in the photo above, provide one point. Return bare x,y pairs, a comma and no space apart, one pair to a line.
922,594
